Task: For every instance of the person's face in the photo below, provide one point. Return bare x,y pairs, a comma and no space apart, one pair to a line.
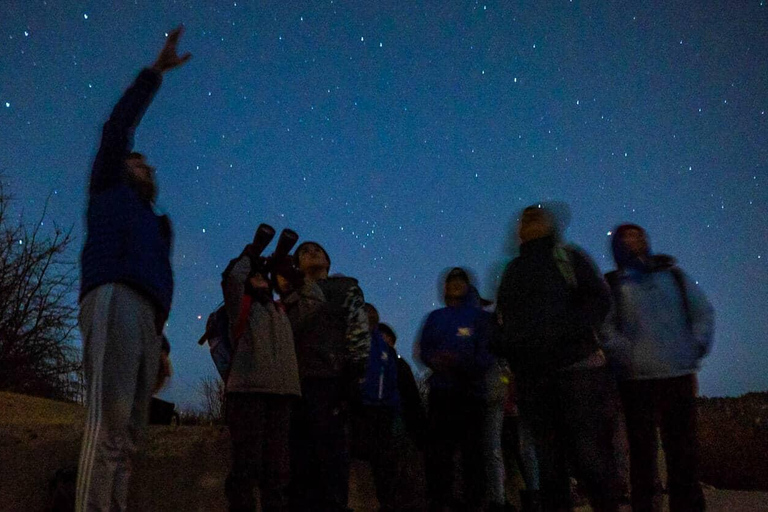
388,339
373,317
312,256
635,242
142,176
456,288
534,223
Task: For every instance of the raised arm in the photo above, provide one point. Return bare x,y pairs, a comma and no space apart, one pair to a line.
117,134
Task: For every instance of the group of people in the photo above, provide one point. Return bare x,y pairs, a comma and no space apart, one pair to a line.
315,377
584,352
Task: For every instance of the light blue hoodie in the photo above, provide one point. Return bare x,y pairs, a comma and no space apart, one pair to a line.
655,337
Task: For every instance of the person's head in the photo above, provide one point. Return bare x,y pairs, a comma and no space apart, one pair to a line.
457,286
388,334
141,176
535,222
312,260
373,315
629,244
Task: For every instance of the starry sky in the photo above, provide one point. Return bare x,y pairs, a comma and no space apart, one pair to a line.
407,136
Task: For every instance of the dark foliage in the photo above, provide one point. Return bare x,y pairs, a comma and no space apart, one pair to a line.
38,309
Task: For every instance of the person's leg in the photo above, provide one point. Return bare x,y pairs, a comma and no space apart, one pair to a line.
679,435
146,380
639,401
327,423
114,321
493,458
276,472
590,407
385,449
303,489
441,445
474,453
540,411
245,418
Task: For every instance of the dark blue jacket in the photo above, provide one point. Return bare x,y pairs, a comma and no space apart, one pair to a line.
381,387
126,241
455,346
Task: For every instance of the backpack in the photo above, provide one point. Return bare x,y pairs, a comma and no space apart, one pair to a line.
614,283
222,347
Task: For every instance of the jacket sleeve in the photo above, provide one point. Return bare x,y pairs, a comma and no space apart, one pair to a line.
483,358
611,338
234,288
702,316
358,333
117,134
427,344
594,295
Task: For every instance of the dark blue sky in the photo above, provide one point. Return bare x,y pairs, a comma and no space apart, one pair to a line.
405,138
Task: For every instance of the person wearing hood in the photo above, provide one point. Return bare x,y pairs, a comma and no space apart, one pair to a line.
551,303
333,342
454,344
660,328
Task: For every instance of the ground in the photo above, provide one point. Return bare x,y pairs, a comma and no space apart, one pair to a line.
180,469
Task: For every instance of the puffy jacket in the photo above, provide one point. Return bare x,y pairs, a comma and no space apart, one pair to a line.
264,359
127,242
657,336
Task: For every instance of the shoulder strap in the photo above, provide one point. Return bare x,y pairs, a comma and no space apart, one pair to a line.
565,266
677,274
242,319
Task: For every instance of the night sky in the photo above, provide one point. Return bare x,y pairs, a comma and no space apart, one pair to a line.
407,136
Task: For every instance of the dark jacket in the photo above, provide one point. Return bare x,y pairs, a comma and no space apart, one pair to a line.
380,387
454,344
264,359
330,329
549,307
411,405
126,241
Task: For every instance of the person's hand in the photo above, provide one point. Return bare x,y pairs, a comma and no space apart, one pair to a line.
164,372
287,277
168,57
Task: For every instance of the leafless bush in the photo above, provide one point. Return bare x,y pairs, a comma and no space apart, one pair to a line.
38,309
212,393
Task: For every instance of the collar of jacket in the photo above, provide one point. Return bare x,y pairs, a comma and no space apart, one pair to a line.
543,245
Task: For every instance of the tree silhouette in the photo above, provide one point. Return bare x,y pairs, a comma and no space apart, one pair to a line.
38,309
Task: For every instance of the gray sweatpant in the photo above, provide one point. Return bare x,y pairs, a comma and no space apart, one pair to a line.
121,354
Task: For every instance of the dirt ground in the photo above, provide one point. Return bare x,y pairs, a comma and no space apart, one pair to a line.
179,469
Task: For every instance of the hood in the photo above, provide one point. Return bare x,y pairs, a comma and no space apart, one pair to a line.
473,297
621,254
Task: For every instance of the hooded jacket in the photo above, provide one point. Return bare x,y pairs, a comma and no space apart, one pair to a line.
455,345
264,359
653,333
127,242
550,305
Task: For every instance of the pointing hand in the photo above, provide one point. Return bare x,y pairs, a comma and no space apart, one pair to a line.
168,57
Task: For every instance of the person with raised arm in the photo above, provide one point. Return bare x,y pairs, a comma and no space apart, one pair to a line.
125,296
